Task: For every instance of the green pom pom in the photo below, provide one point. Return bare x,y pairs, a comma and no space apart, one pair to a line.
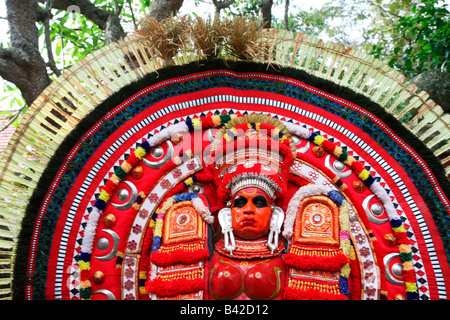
343,156
120,173
85,293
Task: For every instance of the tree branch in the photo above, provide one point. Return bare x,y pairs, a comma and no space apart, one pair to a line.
162,9
286,15
21,63
105,20
222,4
265,11
48,43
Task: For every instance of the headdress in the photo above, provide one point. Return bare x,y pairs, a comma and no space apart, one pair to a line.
255,150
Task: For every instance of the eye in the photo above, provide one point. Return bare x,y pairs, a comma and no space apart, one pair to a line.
260,202
239,202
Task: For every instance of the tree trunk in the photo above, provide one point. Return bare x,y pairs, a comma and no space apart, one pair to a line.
162,9
22,63
437,85
265,11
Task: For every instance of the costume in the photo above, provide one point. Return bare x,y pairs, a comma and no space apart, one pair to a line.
137,201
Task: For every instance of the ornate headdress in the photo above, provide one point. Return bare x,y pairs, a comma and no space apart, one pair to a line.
255,150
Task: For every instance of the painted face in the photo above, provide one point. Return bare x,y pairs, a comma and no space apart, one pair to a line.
251,212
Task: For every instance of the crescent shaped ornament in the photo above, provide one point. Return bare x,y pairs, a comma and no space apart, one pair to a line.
372,213
107,293
158,164
393,272
303,149
338,171
210,135
112,254
129,203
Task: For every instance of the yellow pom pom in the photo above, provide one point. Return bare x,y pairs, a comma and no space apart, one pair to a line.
275,132
228,137
142,290
399,229
105,196
408,265
196,123
140,152
126,166
411,287
349,161
404,248
345,270
216,121
319,140
115,179
337,151
364,175
177,161
85,284
158,228
84,265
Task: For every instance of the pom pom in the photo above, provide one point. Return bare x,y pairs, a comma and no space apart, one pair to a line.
312,136
120,173
156,243
189,124
343,285
369,181
185,197
85,293
395,223
336,196
84,256
146,146
412,296
100,204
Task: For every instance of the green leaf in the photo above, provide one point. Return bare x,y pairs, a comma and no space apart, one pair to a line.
408,64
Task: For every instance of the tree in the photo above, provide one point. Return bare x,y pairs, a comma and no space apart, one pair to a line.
81,26
427,35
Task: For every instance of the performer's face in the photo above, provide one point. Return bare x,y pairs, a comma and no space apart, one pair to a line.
251,212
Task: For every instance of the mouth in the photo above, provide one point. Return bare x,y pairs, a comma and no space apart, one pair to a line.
246,221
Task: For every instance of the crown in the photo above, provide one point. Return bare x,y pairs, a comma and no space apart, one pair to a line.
252,151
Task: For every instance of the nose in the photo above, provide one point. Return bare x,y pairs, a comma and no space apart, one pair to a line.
249,208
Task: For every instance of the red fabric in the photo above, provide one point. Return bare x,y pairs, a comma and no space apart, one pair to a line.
355,280
133,160
179,256
311,294
173,287
402,238
409,276
304,262
328,146
109,187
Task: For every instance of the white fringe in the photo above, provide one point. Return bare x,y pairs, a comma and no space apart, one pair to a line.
294,204
297,130
203,210
385,199
90,232
167,133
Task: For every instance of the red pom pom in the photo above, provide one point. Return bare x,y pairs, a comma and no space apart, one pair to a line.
328,145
